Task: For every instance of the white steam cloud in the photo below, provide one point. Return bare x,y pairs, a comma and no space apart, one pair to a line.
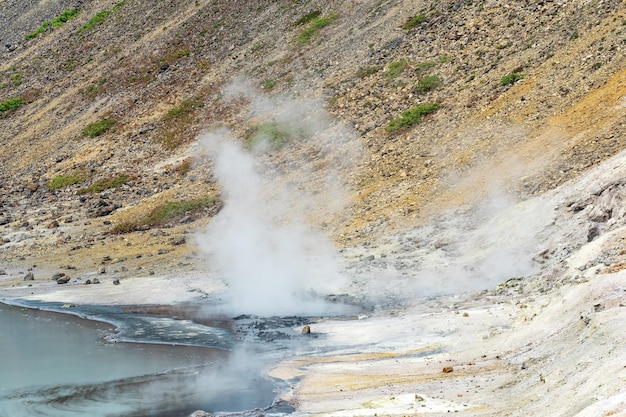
274,261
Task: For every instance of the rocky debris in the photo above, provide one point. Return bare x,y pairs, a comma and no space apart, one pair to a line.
63,280
176,241
101,207
306,329
58,276
116,282
29,277
447,369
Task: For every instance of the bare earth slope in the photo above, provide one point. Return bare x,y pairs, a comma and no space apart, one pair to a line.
513,185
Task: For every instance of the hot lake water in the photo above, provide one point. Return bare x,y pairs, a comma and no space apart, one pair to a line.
54,364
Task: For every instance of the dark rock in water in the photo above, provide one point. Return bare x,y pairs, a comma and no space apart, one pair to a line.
3,272
116,282
29,277
88,282
63,280
95,281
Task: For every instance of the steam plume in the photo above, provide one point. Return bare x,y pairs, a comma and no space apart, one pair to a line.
276,263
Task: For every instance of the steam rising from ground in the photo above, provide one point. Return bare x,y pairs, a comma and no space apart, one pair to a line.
274,261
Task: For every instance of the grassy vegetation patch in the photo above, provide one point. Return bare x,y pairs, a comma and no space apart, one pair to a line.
177,119
268,83
414,21
99,127
16,79
269,132
166,213
511,78
175,55
56,22
10,105
395,69
428,83
62,181
105,184
184,109
100,17
412,117
308,18
315,25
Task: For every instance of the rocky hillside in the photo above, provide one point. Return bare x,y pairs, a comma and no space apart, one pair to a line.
436,104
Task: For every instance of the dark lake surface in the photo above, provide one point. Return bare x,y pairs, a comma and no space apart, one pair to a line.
55,364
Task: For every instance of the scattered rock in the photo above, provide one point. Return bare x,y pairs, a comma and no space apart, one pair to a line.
447,369
29,277
306,329
178,241
53,224
88,282
116,282
95,281
58,276
63,280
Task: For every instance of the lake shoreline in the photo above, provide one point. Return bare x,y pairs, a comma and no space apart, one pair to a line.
213,357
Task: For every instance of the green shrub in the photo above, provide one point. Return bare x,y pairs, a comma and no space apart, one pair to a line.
10,105
64,17
98,128
97,19
428,83
511,78
105,184
315,25
16,79
412,116
56,22
414,21
308,18
395,69
100,16
62,181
